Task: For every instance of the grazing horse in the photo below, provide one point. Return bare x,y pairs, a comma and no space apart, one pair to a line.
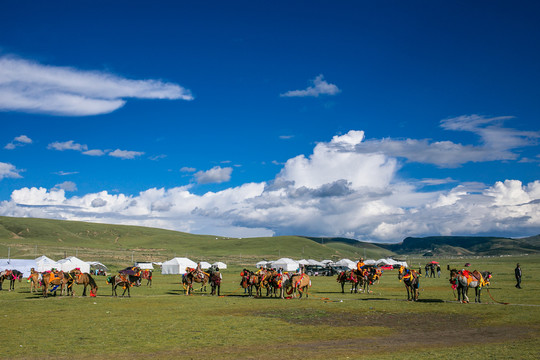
193,276
463,280
124,280
10,275
299,282
215,281
410,279
85,279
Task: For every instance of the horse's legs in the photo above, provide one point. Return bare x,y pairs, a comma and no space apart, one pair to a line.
343,287
84,290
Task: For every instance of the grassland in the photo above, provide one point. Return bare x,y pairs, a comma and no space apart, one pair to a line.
161,322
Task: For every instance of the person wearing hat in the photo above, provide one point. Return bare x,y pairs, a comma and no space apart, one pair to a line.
517,272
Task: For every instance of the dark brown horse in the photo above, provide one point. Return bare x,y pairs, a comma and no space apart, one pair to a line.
85,279
126,281
215,281
12,276
351,276
410,279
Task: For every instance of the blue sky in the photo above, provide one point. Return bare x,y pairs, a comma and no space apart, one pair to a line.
370,120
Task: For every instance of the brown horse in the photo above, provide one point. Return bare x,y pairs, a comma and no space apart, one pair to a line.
12,276
124,280
193,276
351,276
215,281
300,282
34,279
245,282
53,279
410,279
85,279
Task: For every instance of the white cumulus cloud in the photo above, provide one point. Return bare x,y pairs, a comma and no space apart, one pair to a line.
217,174
18,141
9,171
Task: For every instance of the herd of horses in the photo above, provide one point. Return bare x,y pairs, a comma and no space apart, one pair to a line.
277,283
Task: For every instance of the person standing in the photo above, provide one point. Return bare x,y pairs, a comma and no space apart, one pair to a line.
517,272
438,270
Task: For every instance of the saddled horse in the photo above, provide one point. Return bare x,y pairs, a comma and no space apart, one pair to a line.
147,275
369,276
12,276
351,276
300,283
411,281
215,281
34,279
463,280
55,280
124,280
279,282
246,281
85,279
193,276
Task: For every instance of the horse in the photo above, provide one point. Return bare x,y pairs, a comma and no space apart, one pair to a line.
10,275
299,282
215,281
351,276
54,279
34,279
147,274
85,279
192,276
126,281
463,280
245,282
279,281
410,279
370,276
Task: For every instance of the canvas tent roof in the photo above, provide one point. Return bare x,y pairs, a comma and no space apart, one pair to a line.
145,265
346,262
370,262
177,266
303,262
286,264
220,265
315,262
71,263
205,265
262,263
23,265
46,264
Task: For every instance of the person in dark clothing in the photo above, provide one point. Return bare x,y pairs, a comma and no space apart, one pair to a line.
517,272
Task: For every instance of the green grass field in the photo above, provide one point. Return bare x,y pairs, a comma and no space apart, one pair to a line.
161,322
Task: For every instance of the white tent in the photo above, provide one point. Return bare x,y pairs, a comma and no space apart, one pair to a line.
145,265
22,265
205,265
220,265
346,262
262,263
46,264
370,262
303,262
315,262
71,263
327,262
177,266
286,264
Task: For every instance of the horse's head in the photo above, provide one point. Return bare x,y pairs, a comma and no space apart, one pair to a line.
401,272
